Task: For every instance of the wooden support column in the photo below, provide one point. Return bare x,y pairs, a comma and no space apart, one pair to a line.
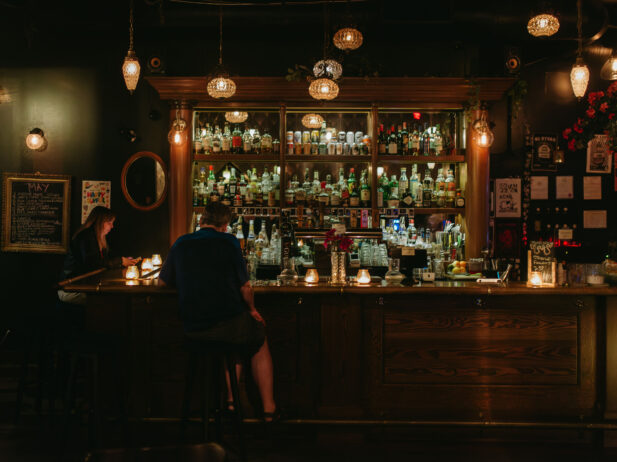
477,194
180,157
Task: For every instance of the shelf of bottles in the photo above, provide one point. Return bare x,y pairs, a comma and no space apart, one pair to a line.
427,136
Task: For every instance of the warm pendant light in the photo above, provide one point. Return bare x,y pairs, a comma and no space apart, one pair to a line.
323,89
220,86
131,67
312,120
348,38
482,134
609,69
328,68
543,25
177,135
579,75
236,117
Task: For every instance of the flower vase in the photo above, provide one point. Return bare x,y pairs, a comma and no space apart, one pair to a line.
338,274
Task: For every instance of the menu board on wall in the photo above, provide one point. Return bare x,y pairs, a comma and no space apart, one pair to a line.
35,212
541,258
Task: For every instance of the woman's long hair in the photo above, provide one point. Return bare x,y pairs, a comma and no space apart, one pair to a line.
98,216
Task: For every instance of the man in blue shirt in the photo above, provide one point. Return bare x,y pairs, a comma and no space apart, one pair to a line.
216,298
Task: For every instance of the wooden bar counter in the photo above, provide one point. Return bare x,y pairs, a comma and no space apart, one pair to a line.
444,352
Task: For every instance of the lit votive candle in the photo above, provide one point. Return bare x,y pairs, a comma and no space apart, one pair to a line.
535,279
132,272
156,260
312,276
146,265
132,282
364,277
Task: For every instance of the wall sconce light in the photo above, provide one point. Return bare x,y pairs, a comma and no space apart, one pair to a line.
177,135
609,69
36,140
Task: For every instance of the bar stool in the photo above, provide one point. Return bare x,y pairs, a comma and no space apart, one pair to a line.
216,358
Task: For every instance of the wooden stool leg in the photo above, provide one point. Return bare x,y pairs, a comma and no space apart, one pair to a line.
217,377
68,401
206,396
188,389
23,375
95,412
235,391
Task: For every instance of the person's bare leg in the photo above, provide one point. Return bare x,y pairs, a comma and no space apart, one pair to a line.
261,363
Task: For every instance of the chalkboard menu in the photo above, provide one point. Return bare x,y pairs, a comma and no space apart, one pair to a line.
541,258
35,212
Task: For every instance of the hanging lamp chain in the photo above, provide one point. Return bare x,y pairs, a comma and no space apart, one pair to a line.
221,35
131,26
579,27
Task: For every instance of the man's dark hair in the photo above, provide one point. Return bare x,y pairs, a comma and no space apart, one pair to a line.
216,214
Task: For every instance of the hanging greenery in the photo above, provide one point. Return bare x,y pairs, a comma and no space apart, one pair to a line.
598,119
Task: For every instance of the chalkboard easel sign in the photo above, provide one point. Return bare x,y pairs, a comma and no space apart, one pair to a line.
541,258
35,213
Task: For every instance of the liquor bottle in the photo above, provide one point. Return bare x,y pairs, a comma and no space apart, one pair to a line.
216,140
403,183
316,184
226,139
206,140
392,142
266,143
197,145
459,201
415,141
440,196
307,187
385,185
289,194
323,141
412,232
227,197
354,197
335,198
427,191
236,140
238,200
240,234
426,141
414,186
406,198
381,140
351,180
393,199
393,186
256,142
343,188
365,191
404,140
329,184
242,187
438,141
380,195
439,181
196,192
250,238
450,189
211,178
214,194
233,182
323,198
247,141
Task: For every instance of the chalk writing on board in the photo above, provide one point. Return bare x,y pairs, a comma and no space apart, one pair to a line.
542,255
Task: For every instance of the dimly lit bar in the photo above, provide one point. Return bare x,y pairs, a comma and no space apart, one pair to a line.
340,230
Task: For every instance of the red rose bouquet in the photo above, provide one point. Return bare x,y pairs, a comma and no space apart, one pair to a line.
337,242
597,120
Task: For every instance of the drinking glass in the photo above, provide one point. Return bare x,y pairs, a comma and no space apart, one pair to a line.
576,274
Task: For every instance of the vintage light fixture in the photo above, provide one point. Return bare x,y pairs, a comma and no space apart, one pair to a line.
579,75
609,69
543,24
363,278
482,134
236,117
131,67
177,135
348,38
323,89
312,120
328,68
220,86
36,140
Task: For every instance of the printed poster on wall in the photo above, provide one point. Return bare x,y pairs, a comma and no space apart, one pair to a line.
543,148
94,193
598,155
508,197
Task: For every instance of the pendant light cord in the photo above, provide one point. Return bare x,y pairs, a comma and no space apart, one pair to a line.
579,27
221,34
131,26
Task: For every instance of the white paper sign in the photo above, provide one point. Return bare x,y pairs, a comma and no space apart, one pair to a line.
508,197
94,193
598,155
594,219
339,229
564,188
539,187
592,187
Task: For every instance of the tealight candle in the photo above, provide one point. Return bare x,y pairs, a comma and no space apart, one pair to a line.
363,277
146,265
132,272
536,279
156,260
312,276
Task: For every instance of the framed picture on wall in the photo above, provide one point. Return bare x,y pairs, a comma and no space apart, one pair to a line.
543,149
598,155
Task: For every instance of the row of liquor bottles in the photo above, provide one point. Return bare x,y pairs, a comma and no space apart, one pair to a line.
250,189
427,140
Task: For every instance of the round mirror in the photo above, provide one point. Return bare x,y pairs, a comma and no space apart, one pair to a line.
144,180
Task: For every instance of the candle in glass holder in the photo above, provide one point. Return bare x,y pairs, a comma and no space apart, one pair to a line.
363,277
132,272
146,265
311,277
535,279
156,260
